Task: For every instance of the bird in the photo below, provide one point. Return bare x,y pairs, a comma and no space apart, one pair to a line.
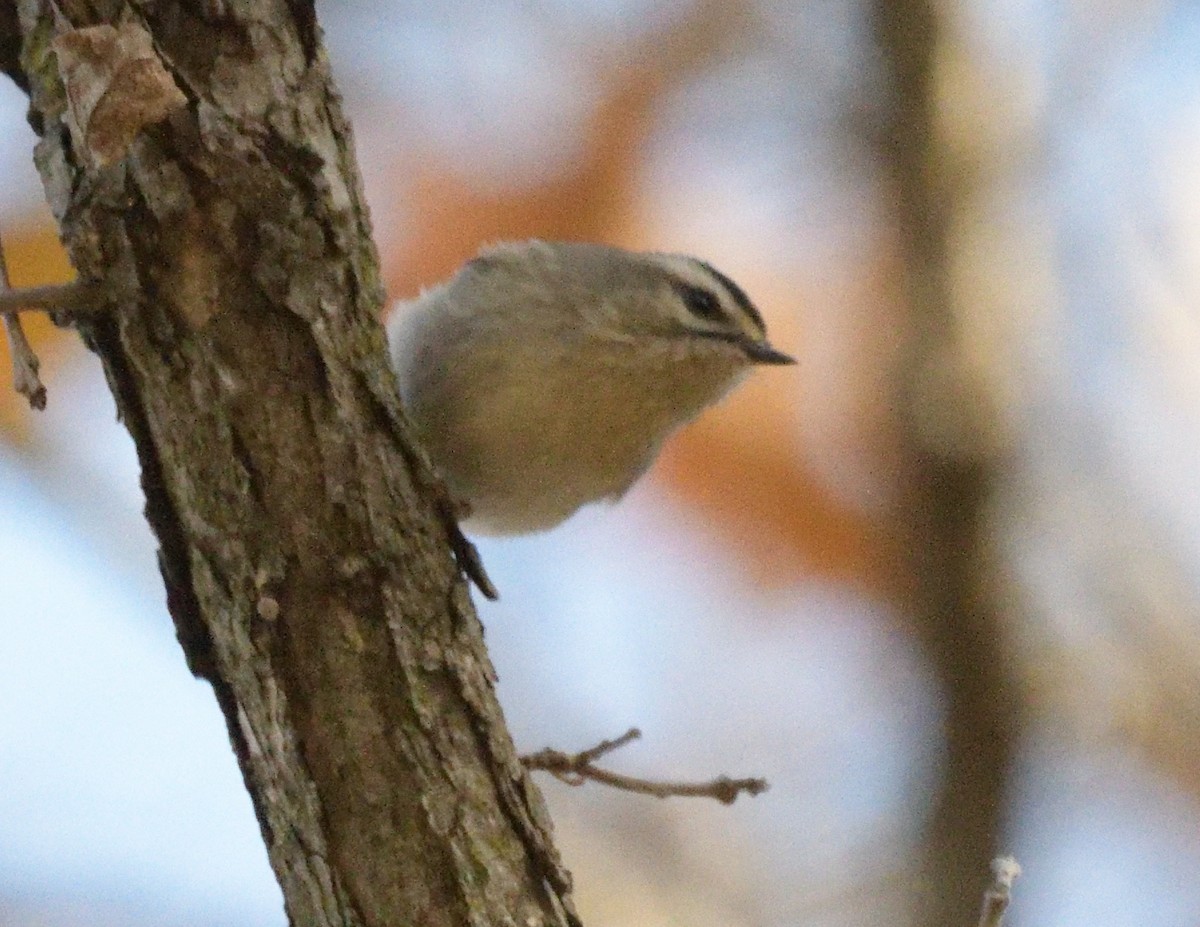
544,376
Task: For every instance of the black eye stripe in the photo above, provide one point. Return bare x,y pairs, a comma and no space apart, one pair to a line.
701,303
737,293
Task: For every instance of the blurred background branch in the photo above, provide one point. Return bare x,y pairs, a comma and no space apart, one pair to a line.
950,451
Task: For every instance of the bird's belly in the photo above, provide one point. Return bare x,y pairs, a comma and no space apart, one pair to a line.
536,477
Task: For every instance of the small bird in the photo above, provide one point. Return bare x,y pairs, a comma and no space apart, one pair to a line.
544,376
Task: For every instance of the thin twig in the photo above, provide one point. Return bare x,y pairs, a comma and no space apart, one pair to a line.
75,297
24,362
607,746
1005,870
578,768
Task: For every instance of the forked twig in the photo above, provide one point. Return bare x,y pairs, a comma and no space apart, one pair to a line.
578,768
1005,870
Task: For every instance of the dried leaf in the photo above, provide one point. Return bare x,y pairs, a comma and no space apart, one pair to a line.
116,85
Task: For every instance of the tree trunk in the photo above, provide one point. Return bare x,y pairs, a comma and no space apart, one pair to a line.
308,575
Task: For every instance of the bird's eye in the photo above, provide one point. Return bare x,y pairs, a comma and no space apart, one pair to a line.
702,304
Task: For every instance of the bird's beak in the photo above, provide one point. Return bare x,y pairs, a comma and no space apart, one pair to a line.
760,352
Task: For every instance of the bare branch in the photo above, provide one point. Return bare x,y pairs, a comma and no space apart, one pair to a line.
1005,870
578,768
24,362
75,297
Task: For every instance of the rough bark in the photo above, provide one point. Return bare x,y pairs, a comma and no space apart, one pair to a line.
308,576
950,457
10,44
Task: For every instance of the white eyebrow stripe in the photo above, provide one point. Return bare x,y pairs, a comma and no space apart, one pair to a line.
696,272
737,294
